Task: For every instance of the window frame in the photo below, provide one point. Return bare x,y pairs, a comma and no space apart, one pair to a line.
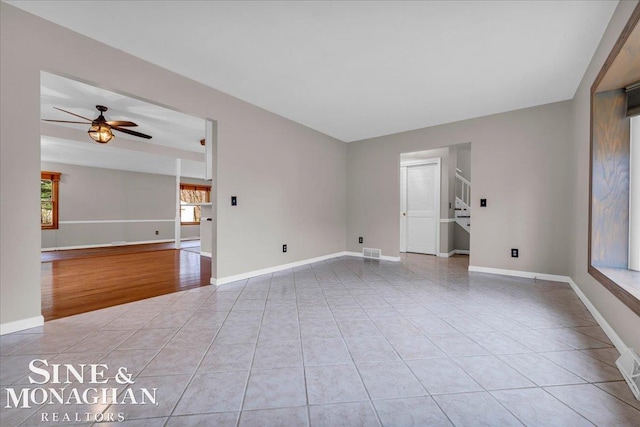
195,187
54,177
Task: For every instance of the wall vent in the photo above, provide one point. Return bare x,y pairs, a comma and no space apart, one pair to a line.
629,365
371,253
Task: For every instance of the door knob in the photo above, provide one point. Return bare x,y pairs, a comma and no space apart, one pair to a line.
404,214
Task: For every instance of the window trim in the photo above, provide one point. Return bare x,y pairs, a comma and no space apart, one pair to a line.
54,177
196,187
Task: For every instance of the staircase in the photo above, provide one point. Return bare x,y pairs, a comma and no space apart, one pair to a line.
463,203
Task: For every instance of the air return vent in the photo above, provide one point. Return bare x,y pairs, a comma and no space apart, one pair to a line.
371,253
629,365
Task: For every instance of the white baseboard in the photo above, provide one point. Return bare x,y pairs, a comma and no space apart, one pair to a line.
518,273
383,257
608,330
274,269
21,325
453,252
207,254
250,274
446,254
108,245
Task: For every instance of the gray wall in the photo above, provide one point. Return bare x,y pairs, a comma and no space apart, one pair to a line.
290,188
463,163
519,162
461,238
622,319
97,194
289,179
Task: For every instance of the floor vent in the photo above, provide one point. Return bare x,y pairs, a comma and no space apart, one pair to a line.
371,253
629,365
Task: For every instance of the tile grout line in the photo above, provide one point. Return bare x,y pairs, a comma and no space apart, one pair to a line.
255,351
195,372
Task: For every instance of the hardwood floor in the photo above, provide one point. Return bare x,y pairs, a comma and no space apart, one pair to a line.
73,284
114,250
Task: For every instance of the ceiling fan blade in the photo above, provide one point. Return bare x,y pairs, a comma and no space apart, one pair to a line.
63,121
120,123
73,114
131,132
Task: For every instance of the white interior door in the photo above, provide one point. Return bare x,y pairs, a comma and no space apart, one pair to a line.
422,207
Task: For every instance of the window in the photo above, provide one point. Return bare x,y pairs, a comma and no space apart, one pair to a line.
613,232
49,200
191,196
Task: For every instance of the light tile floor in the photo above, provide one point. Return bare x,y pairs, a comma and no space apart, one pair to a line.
344,342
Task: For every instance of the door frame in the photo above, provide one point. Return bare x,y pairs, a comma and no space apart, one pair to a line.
403,199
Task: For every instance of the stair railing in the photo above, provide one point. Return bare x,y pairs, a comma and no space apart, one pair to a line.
463,189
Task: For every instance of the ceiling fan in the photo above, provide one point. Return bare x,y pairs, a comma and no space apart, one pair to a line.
100,130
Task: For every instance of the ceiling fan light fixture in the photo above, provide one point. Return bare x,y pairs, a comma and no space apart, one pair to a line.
100,132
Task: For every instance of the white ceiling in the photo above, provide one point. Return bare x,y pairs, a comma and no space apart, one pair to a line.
358,69
174,135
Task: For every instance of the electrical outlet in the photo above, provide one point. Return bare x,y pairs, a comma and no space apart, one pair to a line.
360,240
284,248
234,201
157,232
514,253
483,203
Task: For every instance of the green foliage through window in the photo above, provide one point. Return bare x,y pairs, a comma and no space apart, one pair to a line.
49,199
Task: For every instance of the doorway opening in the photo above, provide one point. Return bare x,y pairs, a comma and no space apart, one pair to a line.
119,203
435,192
